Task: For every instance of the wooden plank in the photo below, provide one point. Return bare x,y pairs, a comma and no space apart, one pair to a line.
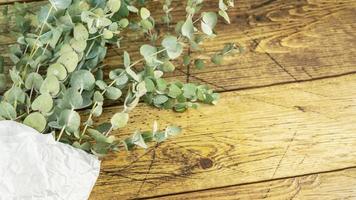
332,185
297,40
251,135
285,41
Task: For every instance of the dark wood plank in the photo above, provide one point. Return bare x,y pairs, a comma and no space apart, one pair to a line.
331,185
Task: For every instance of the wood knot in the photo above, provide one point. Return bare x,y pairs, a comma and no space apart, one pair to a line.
205,163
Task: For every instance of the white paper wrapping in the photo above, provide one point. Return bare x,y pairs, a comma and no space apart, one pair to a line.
35,166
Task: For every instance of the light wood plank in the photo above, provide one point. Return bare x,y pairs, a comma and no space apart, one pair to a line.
332,185
251,135
285,41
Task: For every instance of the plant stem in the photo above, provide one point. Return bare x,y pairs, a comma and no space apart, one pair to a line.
111,84
34,49
61,133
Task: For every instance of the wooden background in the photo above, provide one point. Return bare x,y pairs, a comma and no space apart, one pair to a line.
285,127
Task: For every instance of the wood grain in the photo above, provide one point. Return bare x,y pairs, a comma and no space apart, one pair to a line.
251,135
285,41
331,185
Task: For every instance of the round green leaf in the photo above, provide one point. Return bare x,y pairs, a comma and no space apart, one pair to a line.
208,22
50,85
7,111
36,120
78,45
146,24
114,5
107,34
57,70
189,90
43,103
98,97
80,32
82,79
160,99
33,80
124,22
101,84
145,13
70,60
70,119
148,52
119,120
150,86
113,93
167,66
72,98
173,47
188,28
15,94
172,131
174,91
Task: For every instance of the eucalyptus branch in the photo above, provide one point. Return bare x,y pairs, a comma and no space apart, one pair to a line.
75,71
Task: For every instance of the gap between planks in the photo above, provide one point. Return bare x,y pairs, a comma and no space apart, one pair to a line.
288,188
254,135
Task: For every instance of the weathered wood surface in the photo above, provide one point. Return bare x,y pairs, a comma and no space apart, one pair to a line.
286,141
326,186
251,135
285,41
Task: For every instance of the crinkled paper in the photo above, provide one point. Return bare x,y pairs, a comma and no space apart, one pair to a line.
35,166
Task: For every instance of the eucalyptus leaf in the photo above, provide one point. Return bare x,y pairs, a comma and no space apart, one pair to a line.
15,77
70,120
33,80
189,90
145,13
15,95
172,131
127,60
138,140
173,47
50,85
70,60
168,66
119,120
7,111
80,32
188,28
43,103
72,98
107,34
99,137
78,45
57,70
36,120
208,22
149,53
174,91
160,99
114,5
149,84
82,79
113,93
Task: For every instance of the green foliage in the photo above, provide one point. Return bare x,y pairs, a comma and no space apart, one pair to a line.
58,68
